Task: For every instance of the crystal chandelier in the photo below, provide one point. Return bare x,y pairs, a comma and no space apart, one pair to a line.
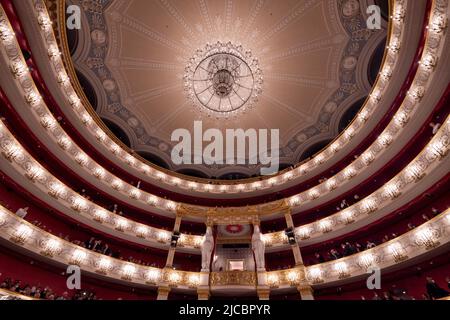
223,80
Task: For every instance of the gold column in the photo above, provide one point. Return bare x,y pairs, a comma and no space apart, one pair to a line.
263,293
163,293
306,292
203,293
172,250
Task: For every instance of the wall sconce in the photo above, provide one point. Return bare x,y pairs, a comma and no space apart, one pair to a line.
428,62
128,272
33,99
81,158
401,119
163,236
293,277
315,275
427,237
392,190
313,194
48,122
366,260
141,232
369,205
74,101
63,78
99,173
385,139
100,215
304,233
34,173
64,142
342,269
45,22
349,172
368,157
86,119
294,201
135,193
51,247
439,24
78,257
331,184
325,226
12,151
416,94
23,232
397,252
103,266
130,160
56,190
121,224
152,276
174,278
152,200
415,172
273,280
348,216
19,69
6,34
438,149
117,184
78,204
193,280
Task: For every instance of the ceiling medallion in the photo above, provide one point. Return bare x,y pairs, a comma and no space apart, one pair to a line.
223,80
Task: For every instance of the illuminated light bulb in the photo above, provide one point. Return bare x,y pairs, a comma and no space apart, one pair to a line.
74,100
240,187
304,232
399,13
86,119
348,216
100,135
416,94
48,122
115,149
350,133
375,96
427,237
292,277
193,185
315,274
19,69
135,193
366,260
176,181
51,247
64,142
392,191
335,146
104,265
117,184
385,139
272,181
319,159
394,45
6,34
100,215
44,21
171,205
174,277
161,176
313,194
397,251
194,279
288,176
349,172
438,24
331,184
79,204
256,185
152,200
152,276
163,236
438,149
57,190
273,280
12,151
386,73
363,115
33,99
369,205
99,173
401,118
78,257
130,160
325,226
428,62
63,78
34,173
128,272
415,172
368,157
294,201
81,158
22,234
53,51
142,232
122,224
342,269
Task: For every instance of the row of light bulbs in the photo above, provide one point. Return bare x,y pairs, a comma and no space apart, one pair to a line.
33,171
80,204
426,237
394,46
64,141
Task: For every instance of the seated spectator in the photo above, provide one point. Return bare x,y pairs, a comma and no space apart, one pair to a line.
435,127
22,212
434,291
370,245
411,226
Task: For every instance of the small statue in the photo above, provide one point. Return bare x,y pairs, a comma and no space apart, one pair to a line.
207,249
258,248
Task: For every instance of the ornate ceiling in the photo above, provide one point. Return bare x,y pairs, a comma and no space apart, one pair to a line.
314,56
